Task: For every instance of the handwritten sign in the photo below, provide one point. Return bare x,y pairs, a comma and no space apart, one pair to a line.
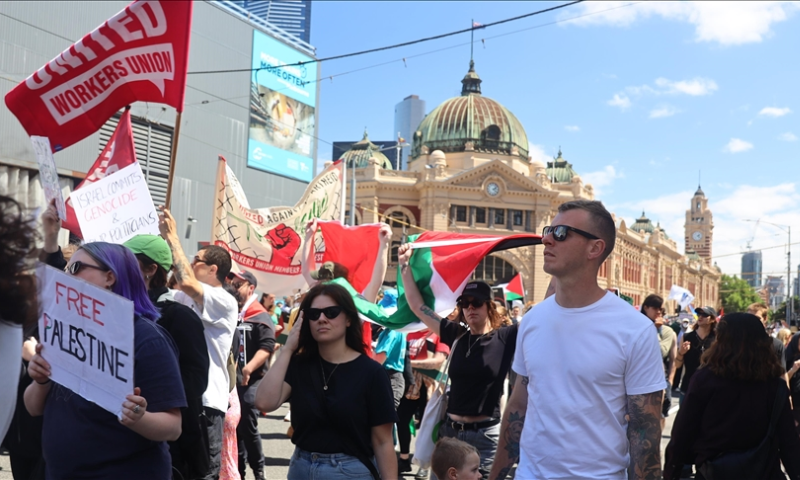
87,333
48,174
116,207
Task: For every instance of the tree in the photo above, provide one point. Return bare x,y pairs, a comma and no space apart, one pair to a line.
780,313
736,294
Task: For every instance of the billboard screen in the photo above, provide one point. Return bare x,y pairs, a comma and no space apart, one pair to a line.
282,105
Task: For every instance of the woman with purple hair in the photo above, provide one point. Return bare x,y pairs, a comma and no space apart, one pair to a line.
80,439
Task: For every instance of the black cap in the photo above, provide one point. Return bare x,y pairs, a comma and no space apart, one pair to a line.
247,277
706,311
477,290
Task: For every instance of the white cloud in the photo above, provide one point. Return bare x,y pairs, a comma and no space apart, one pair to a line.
664,111
788,137
536,152
572,128
622,101
737,145
602,178
774,111
725,23
694,87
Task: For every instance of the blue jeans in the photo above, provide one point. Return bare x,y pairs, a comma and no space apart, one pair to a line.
485,440
324,466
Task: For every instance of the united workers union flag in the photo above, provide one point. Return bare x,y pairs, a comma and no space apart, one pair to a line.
139,54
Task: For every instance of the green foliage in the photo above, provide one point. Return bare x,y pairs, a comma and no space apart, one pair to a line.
736,294
780,313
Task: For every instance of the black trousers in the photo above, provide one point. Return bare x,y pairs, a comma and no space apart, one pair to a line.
215,420
248,438
405,412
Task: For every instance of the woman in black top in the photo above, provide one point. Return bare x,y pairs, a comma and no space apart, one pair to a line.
341,400
730,400
479,363
694,344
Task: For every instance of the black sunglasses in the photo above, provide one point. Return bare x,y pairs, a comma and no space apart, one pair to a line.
75,267
198,260
464,304
560,232
314,313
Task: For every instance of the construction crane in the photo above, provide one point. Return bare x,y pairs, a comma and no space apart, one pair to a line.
753,237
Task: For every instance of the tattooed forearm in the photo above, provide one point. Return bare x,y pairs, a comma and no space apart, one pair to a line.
644,435
430,313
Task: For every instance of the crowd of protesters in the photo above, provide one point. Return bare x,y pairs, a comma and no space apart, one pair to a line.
207,365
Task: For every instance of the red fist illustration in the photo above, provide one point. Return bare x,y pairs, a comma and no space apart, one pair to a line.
285,244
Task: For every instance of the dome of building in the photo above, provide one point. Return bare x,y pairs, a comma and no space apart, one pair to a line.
560,170
473,121
643,225
364,153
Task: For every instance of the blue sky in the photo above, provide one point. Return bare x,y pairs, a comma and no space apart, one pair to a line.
640,98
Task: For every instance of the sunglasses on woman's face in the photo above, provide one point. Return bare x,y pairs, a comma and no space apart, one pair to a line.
560,232
464,304
314,313
75,267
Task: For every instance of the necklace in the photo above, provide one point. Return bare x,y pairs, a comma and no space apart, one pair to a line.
471,344
326,380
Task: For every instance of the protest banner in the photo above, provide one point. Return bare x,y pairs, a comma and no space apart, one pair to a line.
48,174
268,241
116,207
139,54
87,333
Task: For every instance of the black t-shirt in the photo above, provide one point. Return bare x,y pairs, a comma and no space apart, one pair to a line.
476,381
260,336
691,359
359,397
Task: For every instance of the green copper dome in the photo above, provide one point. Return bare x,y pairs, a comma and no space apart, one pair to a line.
560,170
643,224
362,151
472,118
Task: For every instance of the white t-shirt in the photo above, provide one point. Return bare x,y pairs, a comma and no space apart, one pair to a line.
219,313
10,366
582,363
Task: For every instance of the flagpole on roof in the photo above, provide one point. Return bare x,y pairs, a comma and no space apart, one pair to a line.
173,158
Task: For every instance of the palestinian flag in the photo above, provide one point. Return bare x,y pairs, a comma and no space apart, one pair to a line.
442,264
514,290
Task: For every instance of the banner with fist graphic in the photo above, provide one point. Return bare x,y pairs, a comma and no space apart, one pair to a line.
268,241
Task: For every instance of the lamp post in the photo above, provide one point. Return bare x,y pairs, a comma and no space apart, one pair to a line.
789,301
352,217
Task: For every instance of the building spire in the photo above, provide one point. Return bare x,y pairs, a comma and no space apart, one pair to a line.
471,83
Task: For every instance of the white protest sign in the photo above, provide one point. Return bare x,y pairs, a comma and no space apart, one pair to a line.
87,333
116,207
48,174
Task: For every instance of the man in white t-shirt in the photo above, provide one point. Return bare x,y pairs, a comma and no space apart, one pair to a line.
200,288
587,403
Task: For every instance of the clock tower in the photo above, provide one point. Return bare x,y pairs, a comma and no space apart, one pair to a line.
699,226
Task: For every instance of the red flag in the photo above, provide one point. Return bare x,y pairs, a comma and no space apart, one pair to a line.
515,286
139,54
355,248
118,154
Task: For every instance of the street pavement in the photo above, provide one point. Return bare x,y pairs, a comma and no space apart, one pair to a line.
278,448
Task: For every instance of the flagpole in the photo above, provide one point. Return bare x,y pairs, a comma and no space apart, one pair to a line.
173,158
344,190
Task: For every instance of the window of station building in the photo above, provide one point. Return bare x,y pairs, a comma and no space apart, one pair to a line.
461,213
499,217
480,215
517,217
490,137
494,270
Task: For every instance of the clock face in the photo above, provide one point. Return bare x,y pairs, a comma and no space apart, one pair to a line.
697,236
492,189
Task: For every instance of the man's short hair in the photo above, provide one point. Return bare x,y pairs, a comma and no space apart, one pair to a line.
759,310
220,257
601,220
450,453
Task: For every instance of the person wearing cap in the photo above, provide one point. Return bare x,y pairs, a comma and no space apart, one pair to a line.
189,453
694,344
200,285
481,356
256,344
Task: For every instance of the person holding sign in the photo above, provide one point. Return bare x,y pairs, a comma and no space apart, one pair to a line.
341,400
81,439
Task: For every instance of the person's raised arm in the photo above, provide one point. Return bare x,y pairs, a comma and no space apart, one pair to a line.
184,274
430,318
381,262
51,253
644,435
273,390
511,430
308,261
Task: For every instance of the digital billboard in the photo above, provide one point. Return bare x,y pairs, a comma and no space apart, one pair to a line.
283,100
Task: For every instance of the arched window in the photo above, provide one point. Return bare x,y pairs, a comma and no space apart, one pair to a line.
494,270
490,137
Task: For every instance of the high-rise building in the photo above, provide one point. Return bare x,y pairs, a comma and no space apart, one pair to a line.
777,290
699,226
751,268
293,16
408,114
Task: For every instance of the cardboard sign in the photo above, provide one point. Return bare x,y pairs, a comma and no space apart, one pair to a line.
116,208
87,333
48,174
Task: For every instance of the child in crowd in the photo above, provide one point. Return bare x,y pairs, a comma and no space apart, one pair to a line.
453,459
